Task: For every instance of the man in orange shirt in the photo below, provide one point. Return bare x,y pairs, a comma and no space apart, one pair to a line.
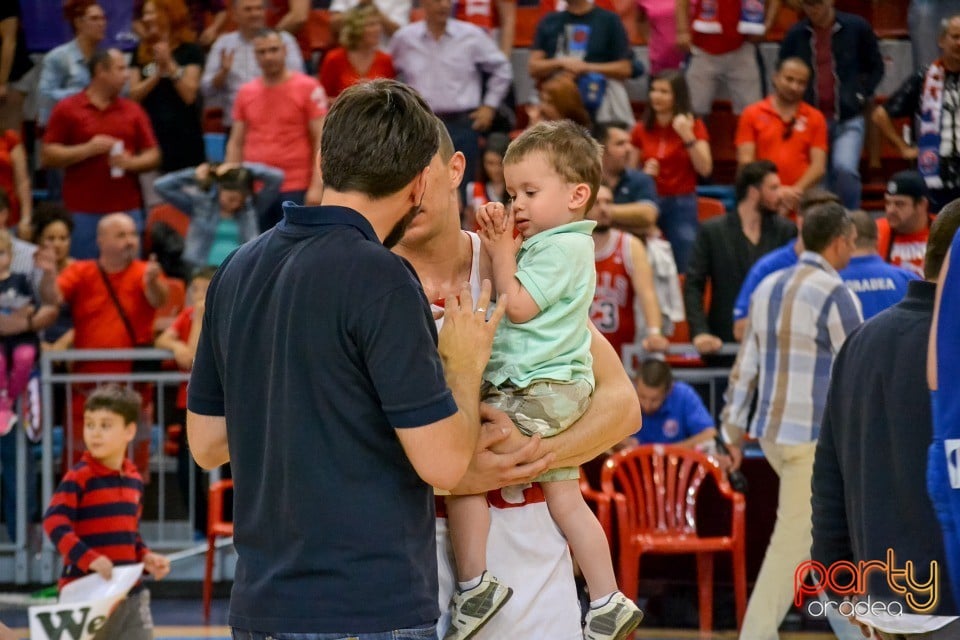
118,317
786,130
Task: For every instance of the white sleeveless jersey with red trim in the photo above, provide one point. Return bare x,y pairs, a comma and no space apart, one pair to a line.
525,550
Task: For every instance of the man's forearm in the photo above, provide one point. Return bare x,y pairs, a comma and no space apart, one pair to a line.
635,214
58,156
156,292
617,70
614,412
145,160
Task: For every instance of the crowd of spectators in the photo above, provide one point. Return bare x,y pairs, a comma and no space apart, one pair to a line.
121,133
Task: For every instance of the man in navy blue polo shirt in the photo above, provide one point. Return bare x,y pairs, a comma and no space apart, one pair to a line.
317,377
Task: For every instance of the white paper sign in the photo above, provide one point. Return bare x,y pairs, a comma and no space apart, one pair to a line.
84,606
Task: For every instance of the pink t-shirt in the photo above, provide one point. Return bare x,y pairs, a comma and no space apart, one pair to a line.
661,16
276,123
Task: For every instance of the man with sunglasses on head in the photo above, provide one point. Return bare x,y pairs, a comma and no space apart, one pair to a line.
786,130
844,54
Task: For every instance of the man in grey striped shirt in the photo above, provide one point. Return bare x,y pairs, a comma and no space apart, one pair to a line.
799,319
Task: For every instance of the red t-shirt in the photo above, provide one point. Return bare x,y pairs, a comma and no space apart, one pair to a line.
87,185
728,14
181,326
786,144
336,73
482,13
907,250
96,321
677,175
277,125
8,140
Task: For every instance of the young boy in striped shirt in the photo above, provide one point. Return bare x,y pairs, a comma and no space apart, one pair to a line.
94,515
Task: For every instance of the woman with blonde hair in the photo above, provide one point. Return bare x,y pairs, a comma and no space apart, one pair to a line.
359,56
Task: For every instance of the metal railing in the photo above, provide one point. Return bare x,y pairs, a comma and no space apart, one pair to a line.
159,530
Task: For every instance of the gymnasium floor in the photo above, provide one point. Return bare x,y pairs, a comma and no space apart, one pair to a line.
180,619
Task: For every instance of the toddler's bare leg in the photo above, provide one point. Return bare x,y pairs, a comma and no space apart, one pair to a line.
468,520
583,533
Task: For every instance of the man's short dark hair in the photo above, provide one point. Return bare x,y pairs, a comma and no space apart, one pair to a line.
445,148
601,130
752,175
114,398
942,230
101,59
656,374
823,224
266,32
794,60
866,229
814,196
377,137
4,199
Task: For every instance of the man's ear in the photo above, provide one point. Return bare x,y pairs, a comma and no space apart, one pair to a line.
457,166
580,196
419,186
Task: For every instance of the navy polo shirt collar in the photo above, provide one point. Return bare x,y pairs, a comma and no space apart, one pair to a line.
327,215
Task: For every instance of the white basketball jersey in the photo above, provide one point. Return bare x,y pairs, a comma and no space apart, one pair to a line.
525,550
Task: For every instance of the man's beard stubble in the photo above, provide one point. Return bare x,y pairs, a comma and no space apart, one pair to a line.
401,227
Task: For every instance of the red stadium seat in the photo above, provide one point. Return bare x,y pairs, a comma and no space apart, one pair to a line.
709,208
654,490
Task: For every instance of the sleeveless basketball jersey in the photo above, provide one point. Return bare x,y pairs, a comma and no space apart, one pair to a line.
525,550
613,310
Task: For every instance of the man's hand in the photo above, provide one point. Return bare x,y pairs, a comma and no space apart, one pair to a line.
467,336
655,342
152,272
734,460
683,40
707,343
790,197
495,465
156,565
183,357
100,144
909,153
575,66
103,566
482,117
208,36
226,60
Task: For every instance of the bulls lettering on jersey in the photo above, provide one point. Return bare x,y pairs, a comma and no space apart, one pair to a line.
613,310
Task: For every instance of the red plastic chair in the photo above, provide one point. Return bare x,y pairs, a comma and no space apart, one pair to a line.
217,527
654,489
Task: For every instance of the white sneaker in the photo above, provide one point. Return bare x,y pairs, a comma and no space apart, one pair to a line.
473,608
613,621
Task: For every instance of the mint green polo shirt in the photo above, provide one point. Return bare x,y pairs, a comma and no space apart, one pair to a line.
557,269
